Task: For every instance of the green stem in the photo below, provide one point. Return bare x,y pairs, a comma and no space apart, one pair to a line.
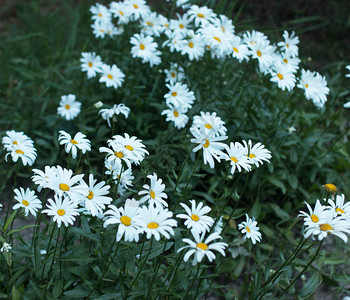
192,283
47,249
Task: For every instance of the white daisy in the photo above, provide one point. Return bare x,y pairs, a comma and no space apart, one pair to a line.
340,208
100,13
112,76
116,153
179,95
120,11
236,155
225,24
25,152
257,153
201,15
196,218
127,218
251,230
283,77
193,45
291,63
176,73
154,193
72,144
264,53
137,8
13,138
5,247
43,178
151,25
240,50
91,63
69,108
145,48
27,200
210,122
176,115
122,176
173,41
217,40
63,210
315,216
181,25
289,45
201,247
156,221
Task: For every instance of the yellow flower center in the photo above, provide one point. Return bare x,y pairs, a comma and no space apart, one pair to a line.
121,13
130,148
166,25
251,155
206,144
208,126
200,15
90,64
182,26
15,143
280,76
195,218
330,188
136,6
125,220
142,47
247,228
174,94
285,61
173,75
307,85
102,30
176,113
119,154
152,194
287,45
100,15
25,202
326,227
234,159
110,76
152,225
340,210
190,44
64,187
61,212
217,39
223,29
67,106
74,142
314,218
202,246
19,151
90,196
149,23
259,53
235,49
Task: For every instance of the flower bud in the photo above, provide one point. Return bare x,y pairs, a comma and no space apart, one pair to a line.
330,188
98,104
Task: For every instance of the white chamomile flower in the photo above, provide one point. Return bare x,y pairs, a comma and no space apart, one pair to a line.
173,41
156,221
264,53
91,63
27,200
5,247
97,198
201,15
250,229
236,155
13,138
340,208
289,45
25,152
137,8
210,122
181,25
196,218
43,178
154,193
315,216
122,176
257,153
72,144
240,50
251,38
100,13
127,218
283,77
145,48
193,45
102,28
112,76
150,24
63,210
109,113
116,153
176,115
216,39
120,11
69,108
211,145
291,63
225,24
176,73
179,95
202,247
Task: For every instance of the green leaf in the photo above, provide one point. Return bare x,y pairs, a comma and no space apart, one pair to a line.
278,183
9,220
36,289
77,292
57,288
15,294
19,229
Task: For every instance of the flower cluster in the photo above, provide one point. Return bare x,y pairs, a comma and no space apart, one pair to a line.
323,220
19,145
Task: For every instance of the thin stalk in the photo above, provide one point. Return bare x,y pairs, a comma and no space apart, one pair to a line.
193,281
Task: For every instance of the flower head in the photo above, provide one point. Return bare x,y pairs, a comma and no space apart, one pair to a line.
69,108
154,193
72,144
27,200
250,229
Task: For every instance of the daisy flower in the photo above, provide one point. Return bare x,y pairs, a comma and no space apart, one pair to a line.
210,122
193,46
181,25
116,153
91,63
112,76
196,218
154,193
179,95
264,53
43,178
25,152
211,145
127,218
103,28
109,113
201,15
240,50
145,48
236,155
176,73
257,153
150,24
173,41
72,144
314,86
329,225
283,77
216,39
96,200
250,229
340,208
13,138
122,176
137,8
69,108
100,13
67,184
62,209
156,221
202,247
225,24
251,38
5,247
120,11
176,115
315,216
289,45
291,63
27,200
